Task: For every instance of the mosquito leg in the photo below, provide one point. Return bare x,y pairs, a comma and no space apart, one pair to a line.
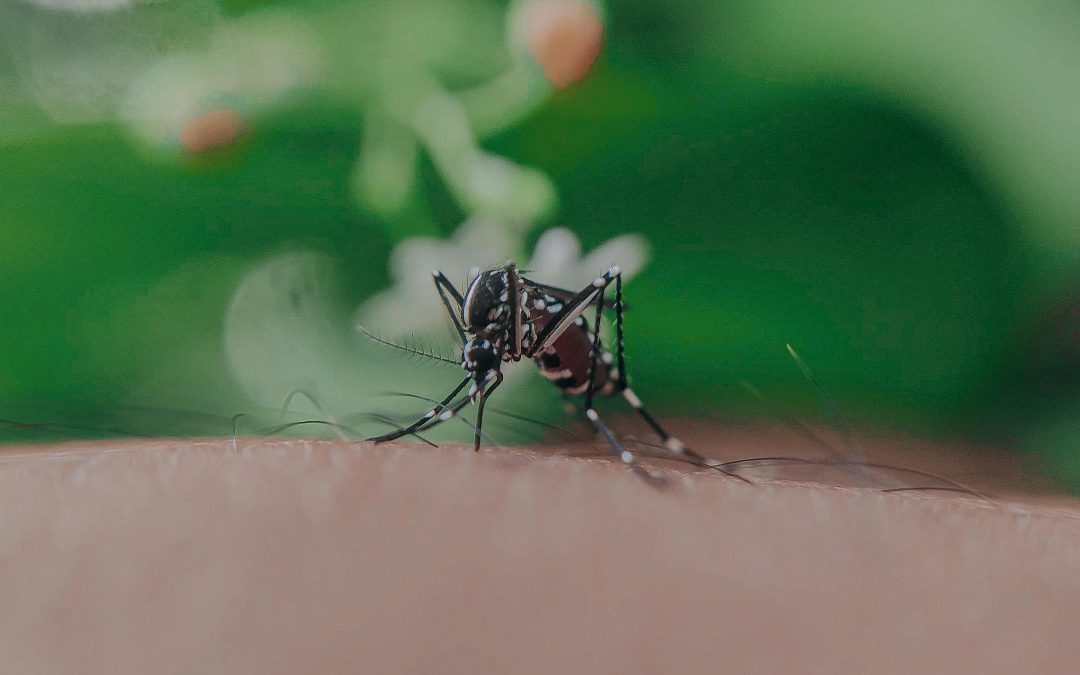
513,281
450,411
673,445
564,295
482,397
617,448
446,293
621,452
433,414
670,442
387,420
620,350
594,353
572,309
442,411
391,422
505,413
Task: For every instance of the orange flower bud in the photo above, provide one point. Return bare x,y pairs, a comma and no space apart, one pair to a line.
214,129
564,37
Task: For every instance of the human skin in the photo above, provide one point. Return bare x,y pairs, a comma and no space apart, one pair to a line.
285,556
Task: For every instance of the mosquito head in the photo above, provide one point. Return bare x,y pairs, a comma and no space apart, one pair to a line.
478,357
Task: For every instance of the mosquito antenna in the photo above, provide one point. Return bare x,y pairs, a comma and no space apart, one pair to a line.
421,353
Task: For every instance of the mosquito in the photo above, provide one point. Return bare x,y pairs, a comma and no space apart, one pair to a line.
504,317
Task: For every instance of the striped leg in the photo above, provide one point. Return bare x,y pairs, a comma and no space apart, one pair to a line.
621,452
574,308
676,447
482,397
444,410
423,423
447,292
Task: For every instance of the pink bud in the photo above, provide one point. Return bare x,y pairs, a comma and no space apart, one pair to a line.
214,129
564,37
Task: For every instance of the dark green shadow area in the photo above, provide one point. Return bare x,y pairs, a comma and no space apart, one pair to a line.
118,269
779,214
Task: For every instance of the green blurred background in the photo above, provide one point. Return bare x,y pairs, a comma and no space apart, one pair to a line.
892,188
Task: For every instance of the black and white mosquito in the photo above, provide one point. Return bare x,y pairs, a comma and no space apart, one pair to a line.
504,317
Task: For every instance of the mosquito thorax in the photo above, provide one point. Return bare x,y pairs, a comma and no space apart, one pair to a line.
487,311
486,305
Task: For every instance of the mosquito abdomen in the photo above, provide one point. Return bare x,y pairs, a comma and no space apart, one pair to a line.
566,363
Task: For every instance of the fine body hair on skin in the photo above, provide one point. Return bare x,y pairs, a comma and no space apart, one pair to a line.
287,555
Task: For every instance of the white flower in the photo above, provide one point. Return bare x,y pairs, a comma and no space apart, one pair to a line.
244,67
557,259
283,330
412,305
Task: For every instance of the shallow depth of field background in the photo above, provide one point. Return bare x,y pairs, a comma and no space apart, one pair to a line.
892,188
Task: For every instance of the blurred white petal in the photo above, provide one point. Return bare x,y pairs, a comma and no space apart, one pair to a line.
248,68
78,65
412,304
557,258
629,251
287,327
556,250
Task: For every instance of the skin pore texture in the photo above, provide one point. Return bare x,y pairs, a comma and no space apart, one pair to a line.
286,556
